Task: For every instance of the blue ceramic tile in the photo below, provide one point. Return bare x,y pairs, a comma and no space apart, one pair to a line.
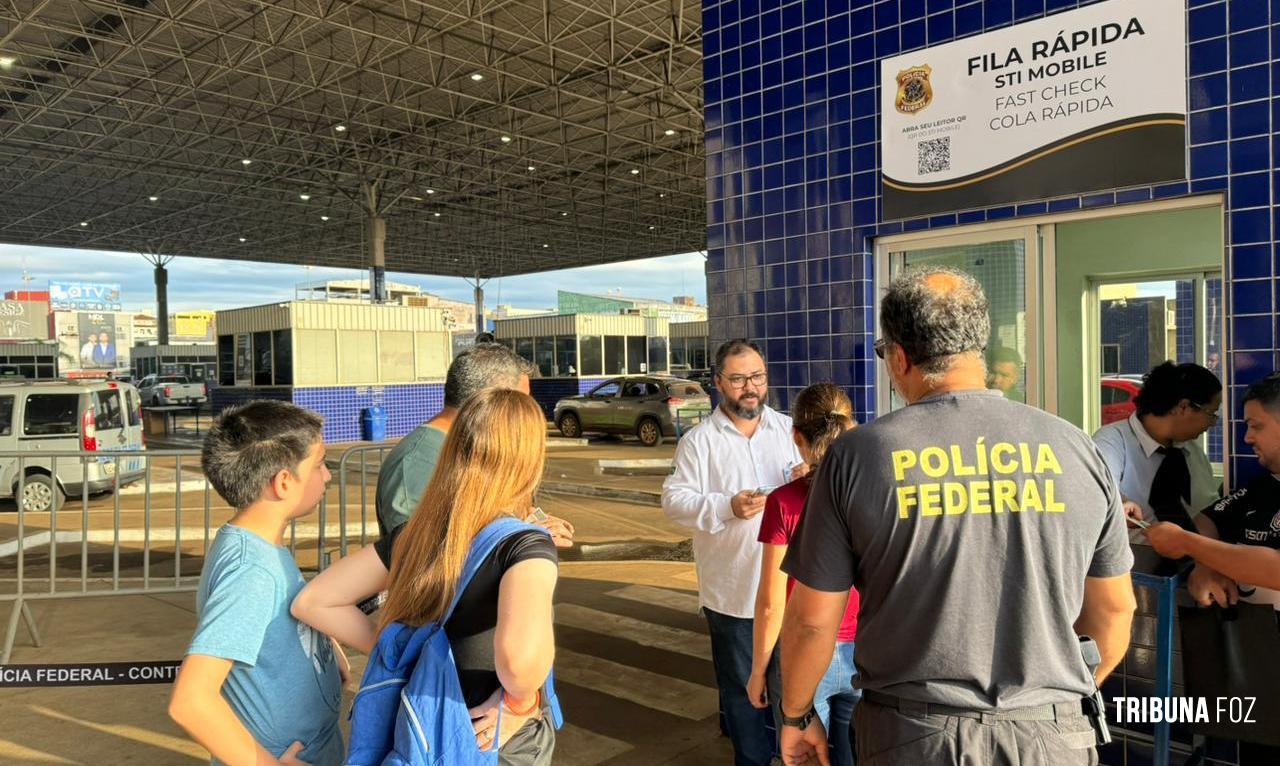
914,35
1250,226
911,10
1128,196
1249,48
1209,160
1250,119
1251,261
1209,125
971,216
1250,83
1208,91
968,19
1251,297
1208,21
1247,14
1032,208
1250,155
1250,190
1207,56
942,28
1252,332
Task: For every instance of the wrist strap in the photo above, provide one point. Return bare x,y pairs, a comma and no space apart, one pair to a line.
506,702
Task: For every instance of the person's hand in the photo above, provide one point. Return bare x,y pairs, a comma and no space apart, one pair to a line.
561,530
747,504
290,757
757,693
1132,512
799,470
1208,586
805,748
344,665
484,720
1169,539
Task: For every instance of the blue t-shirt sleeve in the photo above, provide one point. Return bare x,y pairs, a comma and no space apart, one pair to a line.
233,623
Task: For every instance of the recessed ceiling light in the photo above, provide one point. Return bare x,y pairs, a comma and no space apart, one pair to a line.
669,132
544,244
324,217
635,171
246,162
662,194
242,239
563,213
304,197
531,168
7,61
84,223
437,215
651,228
431,191
476,76
154,198
340,128
505,139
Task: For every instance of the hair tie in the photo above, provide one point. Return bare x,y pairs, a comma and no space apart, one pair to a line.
833,414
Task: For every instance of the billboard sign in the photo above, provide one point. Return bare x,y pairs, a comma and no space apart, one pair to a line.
97,338
24,320
84,296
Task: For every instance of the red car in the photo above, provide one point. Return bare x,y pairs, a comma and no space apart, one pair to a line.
1118,393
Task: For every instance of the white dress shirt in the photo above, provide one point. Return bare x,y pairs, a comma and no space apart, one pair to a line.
1130,453
714,462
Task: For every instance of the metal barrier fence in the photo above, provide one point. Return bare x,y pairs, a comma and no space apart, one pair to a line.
137,504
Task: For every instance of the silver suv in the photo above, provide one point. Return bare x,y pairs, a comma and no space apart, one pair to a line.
42,416
649,406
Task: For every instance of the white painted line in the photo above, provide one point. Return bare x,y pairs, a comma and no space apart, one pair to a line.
655,691
10,548
681,601
195,533
648,634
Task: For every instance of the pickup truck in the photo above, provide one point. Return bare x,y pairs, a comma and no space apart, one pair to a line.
160,390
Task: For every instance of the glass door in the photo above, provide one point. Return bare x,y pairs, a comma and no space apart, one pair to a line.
1006,262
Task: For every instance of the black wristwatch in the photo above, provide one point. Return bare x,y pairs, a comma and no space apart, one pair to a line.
802,722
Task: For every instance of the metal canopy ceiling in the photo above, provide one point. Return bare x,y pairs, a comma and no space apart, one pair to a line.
495,136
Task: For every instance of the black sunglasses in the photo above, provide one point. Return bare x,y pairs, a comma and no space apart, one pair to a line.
879,347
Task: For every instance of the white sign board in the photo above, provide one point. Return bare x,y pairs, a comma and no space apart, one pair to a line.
1091,99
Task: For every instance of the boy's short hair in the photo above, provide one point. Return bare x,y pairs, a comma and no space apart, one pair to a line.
251,443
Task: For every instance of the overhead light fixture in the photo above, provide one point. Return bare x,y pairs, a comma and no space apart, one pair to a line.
651,228
505,139
662,194
431,191
7,61
635,171
562,212
544,244
84,223
324,217
415,199
242,239
531,168
246,162
476,77
669,132
437,215
304,197
340,128
153,198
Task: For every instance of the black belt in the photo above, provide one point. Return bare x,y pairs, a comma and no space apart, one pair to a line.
1055,712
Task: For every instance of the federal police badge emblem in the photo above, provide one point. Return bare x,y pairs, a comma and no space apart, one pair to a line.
914,91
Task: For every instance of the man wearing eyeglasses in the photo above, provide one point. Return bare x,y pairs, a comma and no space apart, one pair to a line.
983,535
724,469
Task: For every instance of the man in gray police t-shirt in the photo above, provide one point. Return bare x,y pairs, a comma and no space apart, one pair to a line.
981,534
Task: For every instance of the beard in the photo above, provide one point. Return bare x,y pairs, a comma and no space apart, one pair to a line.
746,407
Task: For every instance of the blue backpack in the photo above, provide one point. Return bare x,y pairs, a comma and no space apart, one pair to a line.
410,709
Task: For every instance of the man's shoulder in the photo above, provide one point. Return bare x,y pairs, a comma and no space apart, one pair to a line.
421,444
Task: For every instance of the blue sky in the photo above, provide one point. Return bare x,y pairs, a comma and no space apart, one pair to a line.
196,283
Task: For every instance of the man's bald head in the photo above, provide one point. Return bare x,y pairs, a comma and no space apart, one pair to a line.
933,314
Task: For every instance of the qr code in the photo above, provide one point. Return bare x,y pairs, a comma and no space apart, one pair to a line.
934,155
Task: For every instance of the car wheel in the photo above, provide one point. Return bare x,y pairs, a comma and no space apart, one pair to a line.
570,426
650,432
40,494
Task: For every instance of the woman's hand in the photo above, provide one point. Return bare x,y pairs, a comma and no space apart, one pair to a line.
757,691
484,719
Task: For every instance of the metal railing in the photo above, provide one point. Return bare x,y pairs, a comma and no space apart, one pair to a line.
152,526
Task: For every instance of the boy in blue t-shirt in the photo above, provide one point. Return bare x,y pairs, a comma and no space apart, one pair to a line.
257,686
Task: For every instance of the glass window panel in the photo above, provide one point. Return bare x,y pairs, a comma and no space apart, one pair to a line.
678,356
226,361
615,352
524,348
262,365
544,356
284,359
566,355
698,354
637,354
591,355
50,414
6,415
107,411
657,355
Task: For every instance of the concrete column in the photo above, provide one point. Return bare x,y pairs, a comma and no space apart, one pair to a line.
162,305
479,307
375,247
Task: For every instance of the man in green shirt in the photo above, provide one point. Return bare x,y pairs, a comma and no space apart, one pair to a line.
408,467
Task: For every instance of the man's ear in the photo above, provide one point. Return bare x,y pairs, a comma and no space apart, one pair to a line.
281,483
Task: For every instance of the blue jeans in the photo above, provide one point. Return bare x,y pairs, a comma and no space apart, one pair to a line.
834,701
750,729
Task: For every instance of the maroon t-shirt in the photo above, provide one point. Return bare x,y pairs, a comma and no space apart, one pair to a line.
781,515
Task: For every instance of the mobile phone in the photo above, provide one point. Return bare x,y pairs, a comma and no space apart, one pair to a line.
539,514
1139,523
765,489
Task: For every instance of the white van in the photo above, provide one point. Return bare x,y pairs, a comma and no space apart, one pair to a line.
36,416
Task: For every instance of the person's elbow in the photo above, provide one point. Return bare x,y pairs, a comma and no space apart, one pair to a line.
524,663
185,707
304,606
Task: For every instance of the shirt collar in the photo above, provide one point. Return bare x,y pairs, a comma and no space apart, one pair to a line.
768,421
1148,444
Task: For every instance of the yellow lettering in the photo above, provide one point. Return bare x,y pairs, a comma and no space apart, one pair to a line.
902,460
1046,461
906,500
1005,491
930,495
1050,503
954,498
958,468
1000,463
980,497
1025,452
982,456
937,457
1031,496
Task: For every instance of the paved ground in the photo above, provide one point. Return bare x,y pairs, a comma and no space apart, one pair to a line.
633,664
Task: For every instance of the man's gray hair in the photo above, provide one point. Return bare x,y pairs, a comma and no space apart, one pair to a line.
484,365
933,326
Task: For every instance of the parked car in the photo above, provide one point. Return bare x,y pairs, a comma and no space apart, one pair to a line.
41,416
1118,394
161,390
644,405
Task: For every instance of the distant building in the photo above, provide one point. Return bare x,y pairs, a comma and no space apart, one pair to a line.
355,290
682,309
24,319
39,296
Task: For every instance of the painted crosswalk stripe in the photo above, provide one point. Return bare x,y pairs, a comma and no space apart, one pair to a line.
681,601
581,747
655,691
649,634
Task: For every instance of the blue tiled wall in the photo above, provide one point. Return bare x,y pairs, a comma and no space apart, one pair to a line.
793,205
407,407
1127,325
548,391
